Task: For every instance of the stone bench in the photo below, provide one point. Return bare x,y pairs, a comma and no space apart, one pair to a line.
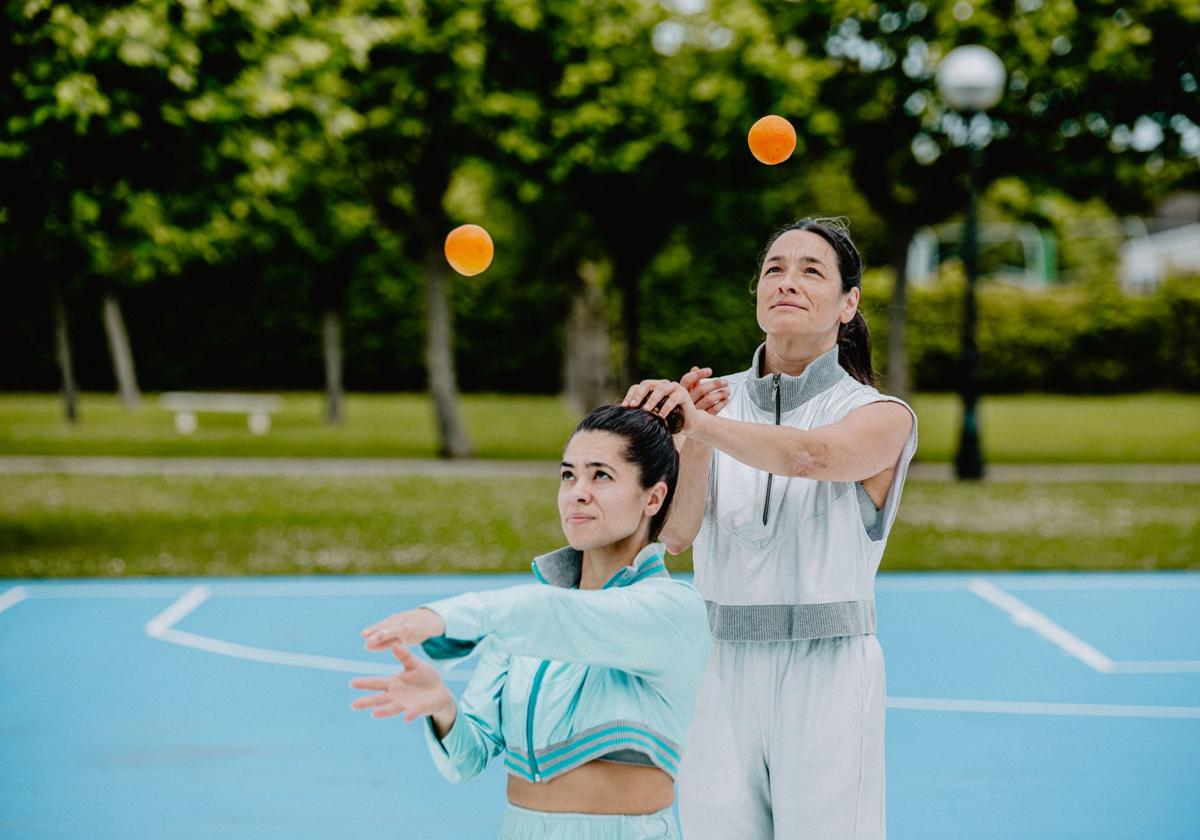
186,405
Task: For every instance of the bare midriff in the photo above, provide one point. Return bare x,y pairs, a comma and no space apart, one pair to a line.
598,787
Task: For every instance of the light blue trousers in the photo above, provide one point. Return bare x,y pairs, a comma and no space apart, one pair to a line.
523,824
787,743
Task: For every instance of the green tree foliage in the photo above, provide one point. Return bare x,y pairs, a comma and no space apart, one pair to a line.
106,164
646,125
1101,100
1101,97
321,153
96,171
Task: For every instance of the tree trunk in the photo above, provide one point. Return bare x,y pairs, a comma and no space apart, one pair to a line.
439,357
628,277
331,347
898,379
62,343
586,376
118,348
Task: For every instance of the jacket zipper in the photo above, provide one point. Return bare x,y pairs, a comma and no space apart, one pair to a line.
770,476
533,693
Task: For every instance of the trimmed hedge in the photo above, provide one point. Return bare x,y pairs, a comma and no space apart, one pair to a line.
1064,339
1075,338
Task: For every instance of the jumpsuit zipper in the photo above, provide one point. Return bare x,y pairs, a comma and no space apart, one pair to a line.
533,693
770,476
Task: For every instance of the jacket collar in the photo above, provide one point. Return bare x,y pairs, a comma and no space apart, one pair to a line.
821,374
564,567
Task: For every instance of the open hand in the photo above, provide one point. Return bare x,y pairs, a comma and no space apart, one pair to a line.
416,691
410,627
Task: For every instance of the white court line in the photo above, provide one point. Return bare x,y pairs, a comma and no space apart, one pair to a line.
322,589
1164,666
12,597
1024,615
283,657
1016,707
1076,581
162,627
267,589
175,613
107,591
439,585
274,657
1119,582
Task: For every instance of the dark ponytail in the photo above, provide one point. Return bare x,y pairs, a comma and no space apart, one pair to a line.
648,445
854,338
854,349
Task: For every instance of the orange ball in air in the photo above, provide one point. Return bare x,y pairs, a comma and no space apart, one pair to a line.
772,140
469,249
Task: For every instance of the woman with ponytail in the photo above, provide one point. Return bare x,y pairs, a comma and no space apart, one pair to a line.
586,679
790,478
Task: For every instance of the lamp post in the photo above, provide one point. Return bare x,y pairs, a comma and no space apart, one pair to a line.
971,80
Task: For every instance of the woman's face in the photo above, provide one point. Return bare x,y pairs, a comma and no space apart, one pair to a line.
799,288
600,500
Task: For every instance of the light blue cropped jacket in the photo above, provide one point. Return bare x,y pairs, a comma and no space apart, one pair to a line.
566,676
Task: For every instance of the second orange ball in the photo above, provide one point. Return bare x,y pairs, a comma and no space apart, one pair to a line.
469,249
772,140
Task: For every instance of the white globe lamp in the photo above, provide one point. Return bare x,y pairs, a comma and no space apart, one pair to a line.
971,78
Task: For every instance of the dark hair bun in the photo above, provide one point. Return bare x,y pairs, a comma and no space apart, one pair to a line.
674,420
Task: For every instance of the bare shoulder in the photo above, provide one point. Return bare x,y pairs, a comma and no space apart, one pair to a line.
883,416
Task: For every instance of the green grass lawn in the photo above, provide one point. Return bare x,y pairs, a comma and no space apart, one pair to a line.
68,526
377,425
1046,428
1145,428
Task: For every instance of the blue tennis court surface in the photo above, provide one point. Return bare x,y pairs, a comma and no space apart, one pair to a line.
1020,706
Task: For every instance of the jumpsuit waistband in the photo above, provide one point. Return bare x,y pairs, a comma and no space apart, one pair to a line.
790,622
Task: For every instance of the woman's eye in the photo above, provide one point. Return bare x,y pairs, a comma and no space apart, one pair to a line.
566,476
602,474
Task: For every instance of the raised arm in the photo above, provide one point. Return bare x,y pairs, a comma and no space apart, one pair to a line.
695,460
691,497
866,442
642,629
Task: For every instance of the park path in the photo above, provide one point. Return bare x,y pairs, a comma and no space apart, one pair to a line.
402,467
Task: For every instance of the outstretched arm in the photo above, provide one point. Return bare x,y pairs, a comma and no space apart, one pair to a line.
641,629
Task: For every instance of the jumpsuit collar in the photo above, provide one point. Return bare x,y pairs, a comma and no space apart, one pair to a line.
821,374
564,567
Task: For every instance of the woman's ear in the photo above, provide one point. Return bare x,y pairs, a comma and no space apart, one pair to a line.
658,495
851,307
